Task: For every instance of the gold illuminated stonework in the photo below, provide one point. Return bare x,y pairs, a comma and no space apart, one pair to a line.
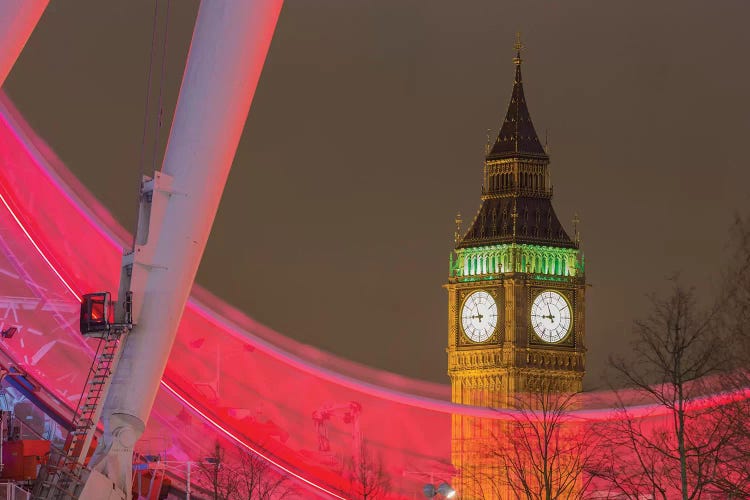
514,250
513,359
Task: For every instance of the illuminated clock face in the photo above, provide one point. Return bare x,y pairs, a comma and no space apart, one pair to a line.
479,316
550,316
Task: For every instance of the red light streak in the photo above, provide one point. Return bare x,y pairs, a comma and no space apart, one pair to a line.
306,377
23,135
39,250
164,384
240,442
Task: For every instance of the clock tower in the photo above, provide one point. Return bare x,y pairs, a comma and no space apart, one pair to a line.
516,286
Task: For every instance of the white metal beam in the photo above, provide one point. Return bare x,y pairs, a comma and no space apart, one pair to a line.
228,50
17,20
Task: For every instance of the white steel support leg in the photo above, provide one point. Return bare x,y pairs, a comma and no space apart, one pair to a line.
229,46
17,20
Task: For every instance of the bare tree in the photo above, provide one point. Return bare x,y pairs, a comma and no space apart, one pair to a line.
222,480
736,297
677,450
543,452
367,476
258,480
733,477
481,478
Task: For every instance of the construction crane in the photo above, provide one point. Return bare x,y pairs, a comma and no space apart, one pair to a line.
349,414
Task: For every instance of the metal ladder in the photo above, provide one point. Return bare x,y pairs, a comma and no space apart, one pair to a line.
60,481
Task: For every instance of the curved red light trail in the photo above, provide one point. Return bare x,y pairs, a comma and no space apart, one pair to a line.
39,250
164,384
249,384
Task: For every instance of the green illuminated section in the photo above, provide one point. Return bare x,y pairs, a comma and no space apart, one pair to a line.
488,262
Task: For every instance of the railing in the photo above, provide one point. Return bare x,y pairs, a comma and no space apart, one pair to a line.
11,491
517,191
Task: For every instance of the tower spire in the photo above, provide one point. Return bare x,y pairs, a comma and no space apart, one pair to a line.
516,187
518,46
517,137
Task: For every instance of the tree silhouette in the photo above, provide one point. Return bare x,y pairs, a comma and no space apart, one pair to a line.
367,476
221,480
258,480
677,450
542,452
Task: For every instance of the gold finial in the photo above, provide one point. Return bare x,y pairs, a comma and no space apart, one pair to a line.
487,146
457,234
518,46
576,221
514,216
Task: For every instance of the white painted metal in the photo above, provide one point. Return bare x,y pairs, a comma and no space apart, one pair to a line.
17,20
99,487
230,43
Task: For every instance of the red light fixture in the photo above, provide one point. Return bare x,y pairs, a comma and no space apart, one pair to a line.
96,313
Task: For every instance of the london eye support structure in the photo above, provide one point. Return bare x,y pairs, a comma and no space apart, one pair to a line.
17,20
229,46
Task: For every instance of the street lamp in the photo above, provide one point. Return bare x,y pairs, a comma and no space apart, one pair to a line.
444,490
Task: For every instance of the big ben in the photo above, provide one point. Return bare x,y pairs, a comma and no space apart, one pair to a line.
516,286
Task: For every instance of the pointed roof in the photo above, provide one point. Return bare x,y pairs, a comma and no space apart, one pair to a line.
523,220
517,136
516,215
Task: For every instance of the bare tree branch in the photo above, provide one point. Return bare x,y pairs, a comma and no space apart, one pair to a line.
367,476
679,353
541,453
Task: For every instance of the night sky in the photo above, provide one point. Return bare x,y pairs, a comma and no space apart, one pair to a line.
366,136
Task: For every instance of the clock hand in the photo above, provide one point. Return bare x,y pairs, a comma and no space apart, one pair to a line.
550,317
